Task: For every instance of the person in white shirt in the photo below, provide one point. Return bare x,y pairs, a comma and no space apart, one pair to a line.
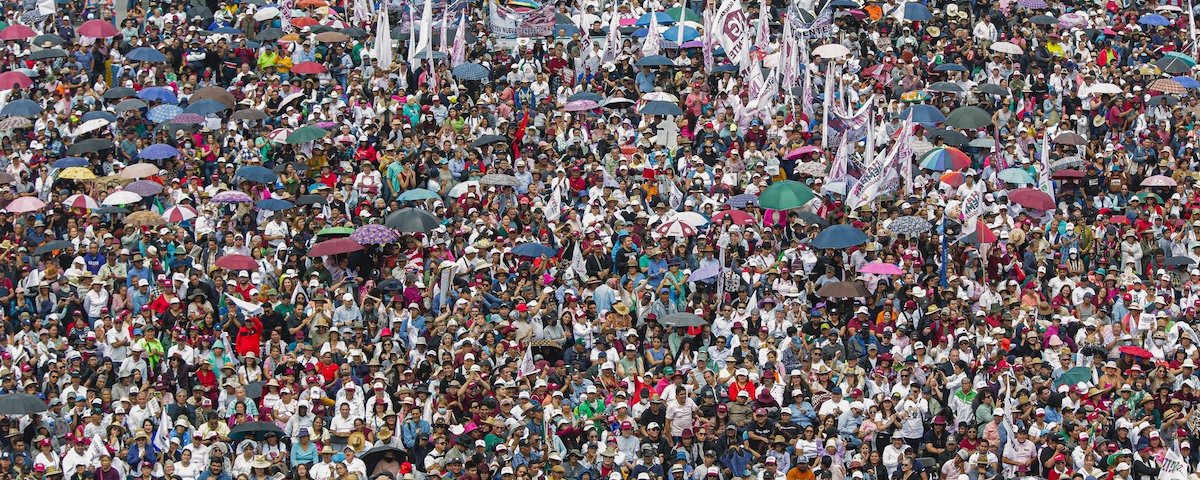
985,30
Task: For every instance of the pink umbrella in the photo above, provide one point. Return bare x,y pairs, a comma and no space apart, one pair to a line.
737,216
797,153
1159,181
581,106
25,205
881,268
13,77
97,29
17,32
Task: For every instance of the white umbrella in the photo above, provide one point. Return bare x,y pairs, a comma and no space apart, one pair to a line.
691,218
91,126
279,135
1105,89
675,228
1007,47
290,98
122,197
461,188
831,50
660,97
267,13
1168,8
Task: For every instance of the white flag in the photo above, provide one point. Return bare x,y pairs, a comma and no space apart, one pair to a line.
445,25
162,433
732,31
1045,184
708,37
458,50
412,36
972,209
47,7
425,40
577,262
652,45
527,366
585,44
612,44
246,307
383,40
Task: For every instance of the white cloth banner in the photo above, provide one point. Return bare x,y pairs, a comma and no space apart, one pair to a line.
732,31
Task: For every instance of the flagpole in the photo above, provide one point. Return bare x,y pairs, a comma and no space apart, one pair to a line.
829,74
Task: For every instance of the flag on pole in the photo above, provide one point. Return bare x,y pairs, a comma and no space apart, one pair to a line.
707,48
425,40
612,44
1045,184
585,44
732,32
905,157
458,50
1192,29
162,438
578,265
830,73
763,38
869,151
527,366
412,36
652,45
246,307
48,7
383,40
445,21
841,163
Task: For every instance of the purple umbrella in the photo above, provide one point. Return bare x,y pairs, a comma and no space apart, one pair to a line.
327,125
581,105
374,235
158,151
231,196
145,188
1035,4
1072,20
188,119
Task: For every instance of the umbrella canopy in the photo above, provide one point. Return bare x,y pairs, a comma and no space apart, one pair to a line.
145,188
839,236
21,404
179,214
1159,181
122,197
372,457
655,61
661,108
831,51
231,196
14,78
67,162
306,134
80,200
274,205
98,29
17,32
146,54
411,220
138,170
256,430
1017,176
1067,174
77,173
334,246
945,158
237,262
1031,198
969,117
158,94
144,218
881,268
1070,138
682,319
534,250
52,246
489,139
257,174
785,195
471,72
677,229
1074,376
1007,47
1178,261
206,106
21,108
374,234
738,217
843,290
418,194
249,114
163,113
916,12
691,218
922,113
499,179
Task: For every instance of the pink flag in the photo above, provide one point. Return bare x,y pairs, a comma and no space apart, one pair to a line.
458,50
708,39
445,20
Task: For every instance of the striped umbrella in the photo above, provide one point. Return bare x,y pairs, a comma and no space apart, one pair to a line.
179,213
676,228
80,200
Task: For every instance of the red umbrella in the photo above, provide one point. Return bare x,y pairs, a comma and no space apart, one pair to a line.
98,29
308,68
1031,198
237,262
1067,174
737,216
1136,351
1119,219
17,32
13,77
301,22
334,246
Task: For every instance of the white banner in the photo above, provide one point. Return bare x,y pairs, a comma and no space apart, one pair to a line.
732,31
508,23
972,209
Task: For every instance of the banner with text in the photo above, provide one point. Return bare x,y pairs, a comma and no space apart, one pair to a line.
509,23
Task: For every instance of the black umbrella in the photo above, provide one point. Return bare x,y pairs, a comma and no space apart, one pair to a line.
391,285
118,92
91,145
21,404
48,39
269,35
1178,261
203,12
992,89
355,32
51,246
810,218
258,430
951,137
1174,65
412,220
488,140
372,457
311,200
129,104
48,54
1043,20
683,319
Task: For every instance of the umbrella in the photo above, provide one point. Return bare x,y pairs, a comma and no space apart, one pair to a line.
374,234
843,290
1070,138
992,89
1159,181
1154,20
661,17
146,54
655,61
206,106
47,40
661,108
231,196
334,246
48,54
257,430
21,404
1106,89
118,92
391,285
471,71
335,232
98,115
138,170
163,113
309,68
738,217
332,37
417,194
672,34
741,200
691,218
678,14
1073,161
1178,261
585,95
1131,350
839,236
13,123
831,51
785,195
945,158
274,205
145,188
158,151
372,457
77,173
953,179
500,179
489,139
90,145
21,108
984,143
1145,196
810,218
677,229
80,200
237,262
945,87
1017,176
1007,47
67,162
257,174
411,220
1067,174
1031,198
534,250
1043,20
91,126
881,268
1187,82
179,214
122,197
950,67
249,114
581,106
306,134
144,218
797,153
916,12
1032,4
922,113
950,137
188,119
311,200
51,246
1074,376
1167,85
97,29
17,32
129,105
13,77
159,94
215,93
969,117
682,319
910,225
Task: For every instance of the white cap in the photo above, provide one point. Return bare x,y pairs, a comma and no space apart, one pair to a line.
1122,466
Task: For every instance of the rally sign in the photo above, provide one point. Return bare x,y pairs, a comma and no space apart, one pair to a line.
509,23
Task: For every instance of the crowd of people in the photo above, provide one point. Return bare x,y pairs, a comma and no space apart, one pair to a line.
701,241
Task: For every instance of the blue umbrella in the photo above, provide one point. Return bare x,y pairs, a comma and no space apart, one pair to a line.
740,201
274,204
922,113
661,108
655,61
417,194
916,12
21,108
593,96
206,106
471,71
163,113
1187,82
94,114
672,34
663,19
227,30
534,250
68,162
257,174
1016,176
159,94
640,33
844,4
1154,20
839,236
158,151
146,54
949,67
728,67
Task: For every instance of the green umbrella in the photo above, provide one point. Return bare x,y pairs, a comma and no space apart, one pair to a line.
785,195
1074,376
327,231
1145,195
306,134
1182,56
687,14
969,117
